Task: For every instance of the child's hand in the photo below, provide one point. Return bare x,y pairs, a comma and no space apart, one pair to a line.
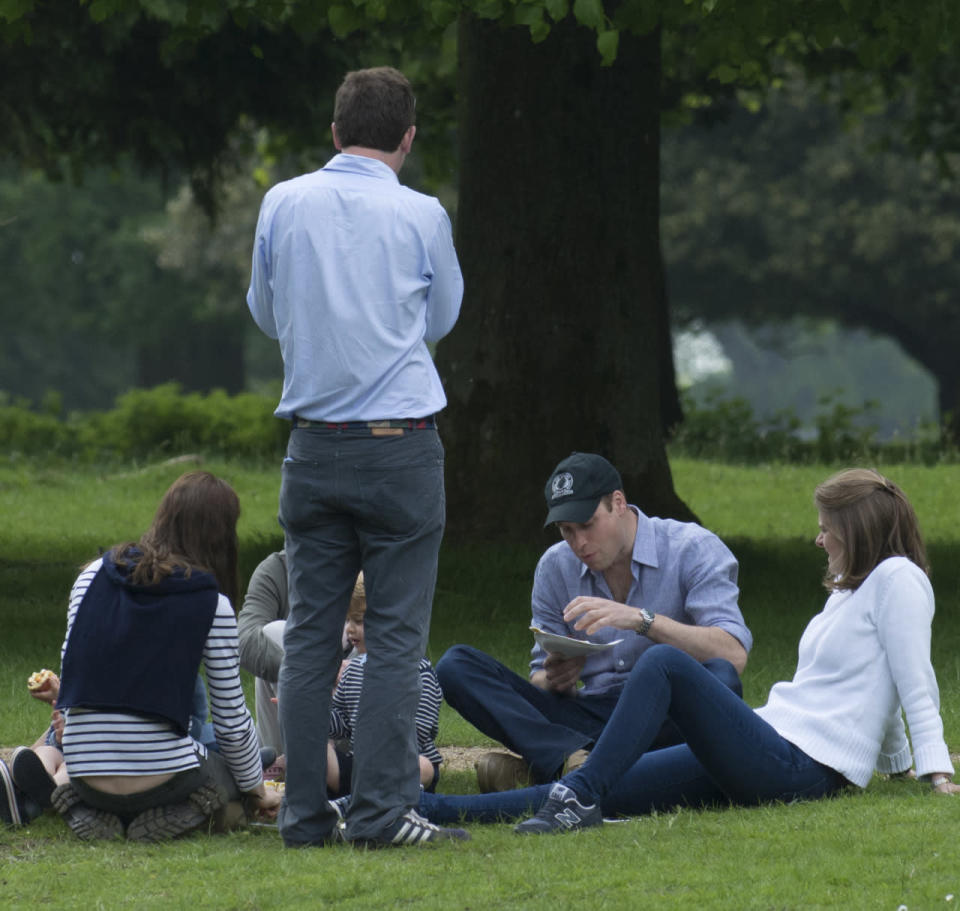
264,802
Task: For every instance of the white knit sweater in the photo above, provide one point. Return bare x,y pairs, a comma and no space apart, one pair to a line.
861,659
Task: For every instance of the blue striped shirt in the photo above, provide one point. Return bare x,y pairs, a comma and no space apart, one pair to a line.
354,273
679,569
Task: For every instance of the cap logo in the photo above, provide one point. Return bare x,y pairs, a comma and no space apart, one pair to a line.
561,485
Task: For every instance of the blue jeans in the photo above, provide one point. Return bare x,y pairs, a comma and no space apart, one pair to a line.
731,755
350,500
542,726
201,730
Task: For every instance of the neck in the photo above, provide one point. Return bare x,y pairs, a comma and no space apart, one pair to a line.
619,575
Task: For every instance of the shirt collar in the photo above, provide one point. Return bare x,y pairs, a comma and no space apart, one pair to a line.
361,164
645,543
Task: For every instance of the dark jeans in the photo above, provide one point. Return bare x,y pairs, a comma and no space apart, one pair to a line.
350,500
542,726
731,755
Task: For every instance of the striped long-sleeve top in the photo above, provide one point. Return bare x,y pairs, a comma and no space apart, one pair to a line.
113,743
346,700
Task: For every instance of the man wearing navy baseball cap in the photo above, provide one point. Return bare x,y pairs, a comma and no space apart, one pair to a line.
618,581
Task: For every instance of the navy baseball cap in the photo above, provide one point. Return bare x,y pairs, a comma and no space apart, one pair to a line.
577,485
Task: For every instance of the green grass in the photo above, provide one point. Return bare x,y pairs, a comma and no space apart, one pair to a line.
894,844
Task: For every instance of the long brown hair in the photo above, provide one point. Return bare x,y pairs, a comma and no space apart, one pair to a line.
873,519
195,527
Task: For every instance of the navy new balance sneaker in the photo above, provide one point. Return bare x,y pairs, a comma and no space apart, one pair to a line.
561,812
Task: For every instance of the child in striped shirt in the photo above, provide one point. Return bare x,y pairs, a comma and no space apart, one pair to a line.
346,700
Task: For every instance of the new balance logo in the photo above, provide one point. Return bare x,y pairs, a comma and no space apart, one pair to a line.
567,817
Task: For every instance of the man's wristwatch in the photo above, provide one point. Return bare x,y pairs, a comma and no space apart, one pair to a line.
647,621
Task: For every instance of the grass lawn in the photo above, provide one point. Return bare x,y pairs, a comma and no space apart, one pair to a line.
892,845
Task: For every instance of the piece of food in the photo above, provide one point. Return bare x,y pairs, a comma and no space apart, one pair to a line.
39,679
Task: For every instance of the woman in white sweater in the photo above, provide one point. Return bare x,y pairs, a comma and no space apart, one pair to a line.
864,663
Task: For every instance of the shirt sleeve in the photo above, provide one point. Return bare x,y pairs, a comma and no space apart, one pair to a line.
79,589
904,617
260,293
265,602
547,601
710,590
339,716
232,724
446,282
428,712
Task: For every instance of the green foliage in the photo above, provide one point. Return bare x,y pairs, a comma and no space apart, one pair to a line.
727,429
24,430
150,423
793,211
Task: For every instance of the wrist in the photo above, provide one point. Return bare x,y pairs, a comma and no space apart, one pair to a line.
645,621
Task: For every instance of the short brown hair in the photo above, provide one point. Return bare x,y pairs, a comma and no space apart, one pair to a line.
873,519
195,527
374,108
358,601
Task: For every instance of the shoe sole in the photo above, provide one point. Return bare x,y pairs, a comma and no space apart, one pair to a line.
87,823
31,777
171,821
165,823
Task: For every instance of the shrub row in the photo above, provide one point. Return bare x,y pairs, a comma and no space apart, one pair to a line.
164,421
727,430
146,423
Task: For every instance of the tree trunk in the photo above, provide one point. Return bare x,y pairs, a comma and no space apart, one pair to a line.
563,342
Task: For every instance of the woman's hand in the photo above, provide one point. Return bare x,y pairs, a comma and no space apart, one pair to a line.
45,686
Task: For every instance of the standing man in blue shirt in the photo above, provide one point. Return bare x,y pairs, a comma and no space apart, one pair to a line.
617,576
354,273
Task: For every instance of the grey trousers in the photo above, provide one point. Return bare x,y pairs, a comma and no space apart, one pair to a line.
349,501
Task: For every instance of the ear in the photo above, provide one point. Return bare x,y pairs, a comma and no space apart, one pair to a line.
336,139
407,142
619,502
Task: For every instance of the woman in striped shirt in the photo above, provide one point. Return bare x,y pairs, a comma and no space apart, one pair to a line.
139,622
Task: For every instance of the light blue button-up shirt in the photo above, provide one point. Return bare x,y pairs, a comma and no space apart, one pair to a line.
679,569
354,273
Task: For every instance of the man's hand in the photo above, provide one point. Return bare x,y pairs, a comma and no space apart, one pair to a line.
592,614
561,673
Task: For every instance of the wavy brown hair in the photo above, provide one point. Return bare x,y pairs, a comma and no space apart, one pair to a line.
195,527
873,519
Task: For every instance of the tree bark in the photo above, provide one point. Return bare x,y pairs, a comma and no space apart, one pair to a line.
563,342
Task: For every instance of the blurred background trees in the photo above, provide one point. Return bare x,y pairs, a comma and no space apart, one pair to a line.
575,140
